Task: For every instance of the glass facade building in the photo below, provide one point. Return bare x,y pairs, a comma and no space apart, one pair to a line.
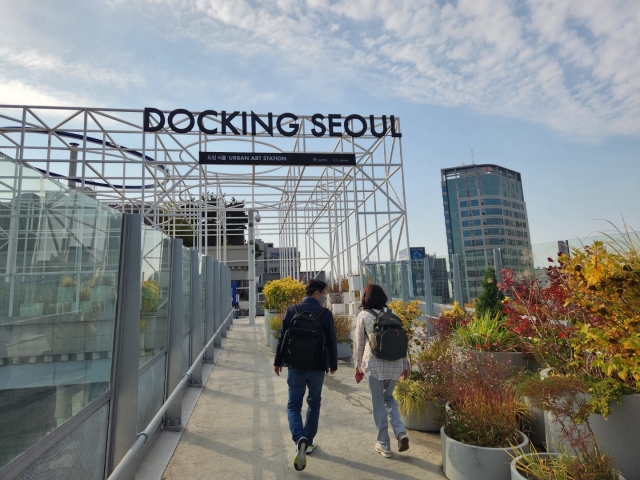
484,209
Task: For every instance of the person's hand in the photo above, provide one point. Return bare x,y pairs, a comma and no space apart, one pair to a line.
332,371
405,375
277,370
358,376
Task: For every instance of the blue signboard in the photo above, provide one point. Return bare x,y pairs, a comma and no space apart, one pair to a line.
234,292
417,253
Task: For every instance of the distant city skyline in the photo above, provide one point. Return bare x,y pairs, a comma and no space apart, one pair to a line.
549,89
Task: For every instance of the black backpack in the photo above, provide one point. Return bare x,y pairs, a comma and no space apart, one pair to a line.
303,343
388,339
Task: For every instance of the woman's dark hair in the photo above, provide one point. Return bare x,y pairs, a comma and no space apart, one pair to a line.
373,296
315,286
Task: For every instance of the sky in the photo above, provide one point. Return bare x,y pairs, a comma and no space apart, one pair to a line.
549,88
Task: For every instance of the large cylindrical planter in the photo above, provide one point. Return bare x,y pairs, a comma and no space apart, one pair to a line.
426,422
267,329
534,427
619,435
468,462
512,359
274,342
515,475
344,350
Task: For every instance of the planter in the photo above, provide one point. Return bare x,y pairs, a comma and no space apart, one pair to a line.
426,422
267,330
338,308
468,462
273,343
31,309
512,359
515,475
619,435
344,350
66,294
553,434
534,428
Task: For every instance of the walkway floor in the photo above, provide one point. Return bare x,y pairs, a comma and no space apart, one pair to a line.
239,426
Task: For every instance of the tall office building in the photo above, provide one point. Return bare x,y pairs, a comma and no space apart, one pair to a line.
484,209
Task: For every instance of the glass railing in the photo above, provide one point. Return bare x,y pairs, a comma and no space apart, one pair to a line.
59,253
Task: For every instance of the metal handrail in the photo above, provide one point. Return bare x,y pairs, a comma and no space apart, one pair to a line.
143,436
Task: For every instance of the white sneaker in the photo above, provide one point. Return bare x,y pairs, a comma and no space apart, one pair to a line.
383,451
312,447
300,460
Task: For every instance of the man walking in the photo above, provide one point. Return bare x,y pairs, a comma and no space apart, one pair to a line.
307,346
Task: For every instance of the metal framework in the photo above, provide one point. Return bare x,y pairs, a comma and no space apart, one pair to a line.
333,218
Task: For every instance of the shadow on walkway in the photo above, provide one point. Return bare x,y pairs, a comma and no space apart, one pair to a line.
239,427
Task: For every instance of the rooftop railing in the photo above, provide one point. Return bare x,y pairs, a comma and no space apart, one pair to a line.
104,322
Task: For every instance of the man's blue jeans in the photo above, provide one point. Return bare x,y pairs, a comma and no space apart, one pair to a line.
299,381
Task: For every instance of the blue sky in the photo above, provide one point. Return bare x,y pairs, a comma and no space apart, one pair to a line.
548,88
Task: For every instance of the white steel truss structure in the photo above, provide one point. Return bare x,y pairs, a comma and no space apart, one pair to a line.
324,218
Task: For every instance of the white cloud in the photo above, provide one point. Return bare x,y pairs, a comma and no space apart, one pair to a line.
14,92
44,63
573,66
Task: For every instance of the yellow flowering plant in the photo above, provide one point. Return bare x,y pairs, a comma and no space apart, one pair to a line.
603,280
279,294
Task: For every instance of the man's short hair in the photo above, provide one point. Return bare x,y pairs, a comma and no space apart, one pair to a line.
315,286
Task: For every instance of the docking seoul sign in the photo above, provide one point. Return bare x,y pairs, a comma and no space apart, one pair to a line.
286,124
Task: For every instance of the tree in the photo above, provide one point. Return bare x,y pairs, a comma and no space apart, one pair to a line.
237,220
185,226
491,297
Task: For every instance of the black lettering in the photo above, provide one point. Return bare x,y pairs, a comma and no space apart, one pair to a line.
293,127
333,124
181,111
393,127
244,123
349,120
226,122
256,119
373,126
146,118
315,120
201,126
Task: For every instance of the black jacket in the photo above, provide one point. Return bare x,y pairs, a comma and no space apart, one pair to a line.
311,305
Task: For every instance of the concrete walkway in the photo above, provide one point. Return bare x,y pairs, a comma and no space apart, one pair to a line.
239,426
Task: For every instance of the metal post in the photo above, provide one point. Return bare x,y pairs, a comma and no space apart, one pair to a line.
252,270
497,263
226,294
195,320
405,280
428,294
173,418
457,284
387,271
210,326
124,371
73,165
217,307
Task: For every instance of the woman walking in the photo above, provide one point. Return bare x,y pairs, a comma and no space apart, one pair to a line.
382,375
